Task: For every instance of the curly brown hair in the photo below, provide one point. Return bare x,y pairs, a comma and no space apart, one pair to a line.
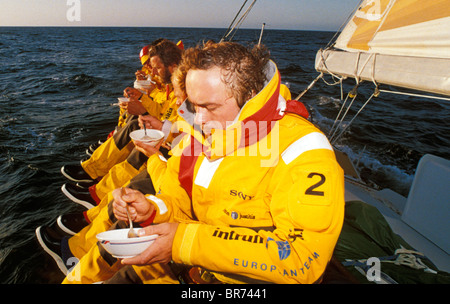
179,77
167,51
243,68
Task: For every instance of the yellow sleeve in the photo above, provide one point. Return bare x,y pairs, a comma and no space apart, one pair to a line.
171,201
160,105
156,167
122,118
149,102
169,111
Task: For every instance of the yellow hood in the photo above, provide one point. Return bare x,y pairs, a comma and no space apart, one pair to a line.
253,122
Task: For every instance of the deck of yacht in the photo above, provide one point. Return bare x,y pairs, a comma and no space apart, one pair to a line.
423,218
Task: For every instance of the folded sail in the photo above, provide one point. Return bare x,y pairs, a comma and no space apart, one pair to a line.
403,43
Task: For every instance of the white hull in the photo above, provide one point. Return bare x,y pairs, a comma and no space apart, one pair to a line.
430,236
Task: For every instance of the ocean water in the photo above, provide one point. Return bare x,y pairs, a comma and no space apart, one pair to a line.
58,87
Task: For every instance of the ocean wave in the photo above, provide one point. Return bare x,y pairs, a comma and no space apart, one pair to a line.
291,69
377,172
83,82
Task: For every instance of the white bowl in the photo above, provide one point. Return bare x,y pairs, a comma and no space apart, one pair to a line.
123,99
153,136
143,84
117,243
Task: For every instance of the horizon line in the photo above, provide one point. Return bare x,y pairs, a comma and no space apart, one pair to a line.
138,26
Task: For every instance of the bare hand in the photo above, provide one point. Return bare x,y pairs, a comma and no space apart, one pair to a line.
139,207
135,107
148,149
140,75
161,249
150,122
132,93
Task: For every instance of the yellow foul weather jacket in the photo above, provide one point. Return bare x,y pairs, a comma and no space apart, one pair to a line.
160,104
164,104
262,201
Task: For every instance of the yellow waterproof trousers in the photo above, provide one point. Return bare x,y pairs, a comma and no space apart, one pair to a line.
150,274
92,213
95,266
102,217
113,151
82,242
141,181
119,175
99,266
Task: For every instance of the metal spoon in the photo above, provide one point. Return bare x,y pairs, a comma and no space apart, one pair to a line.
131,232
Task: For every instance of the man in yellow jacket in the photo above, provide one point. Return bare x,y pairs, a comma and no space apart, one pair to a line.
83,227
101,217
160,103
257,196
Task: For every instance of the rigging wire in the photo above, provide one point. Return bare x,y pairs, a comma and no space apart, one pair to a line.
336,127
332,40
232,22
334,139
235,27
415,95
330,43
241,20
353,93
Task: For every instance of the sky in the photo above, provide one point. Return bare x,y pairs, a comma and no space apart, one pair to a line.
276,14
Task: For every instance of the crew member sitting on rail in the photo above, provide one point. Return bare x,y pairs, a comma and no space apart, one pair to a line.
164,58
257,196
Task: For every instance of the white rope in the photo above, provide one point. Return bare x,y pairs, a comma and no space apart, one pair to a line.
339,81
333,76
373,69
411,259
323,62
415,95
355,73
364,66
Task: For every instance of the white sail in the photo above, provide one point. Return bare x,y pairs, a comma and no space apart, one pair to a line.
403,43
